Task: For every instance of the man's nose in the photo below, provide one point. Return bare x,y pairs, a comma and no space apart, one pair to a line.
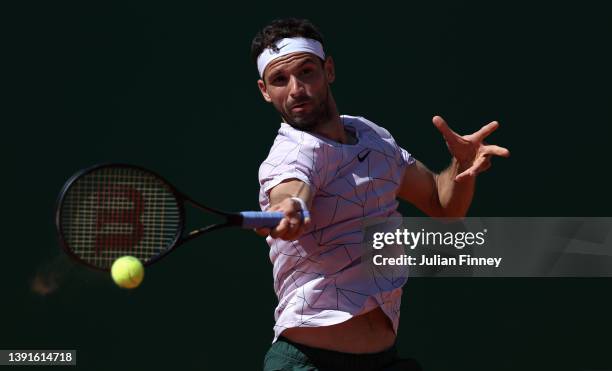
296,87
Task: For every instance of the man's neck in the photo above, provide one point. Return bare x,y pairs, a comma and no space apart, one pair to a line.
332,129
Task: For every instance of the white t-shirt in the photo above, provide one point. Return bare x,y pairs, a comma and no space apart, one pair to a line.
318,278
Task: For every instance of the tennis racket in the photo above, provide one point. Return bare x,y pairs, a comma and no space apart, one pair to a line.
113,210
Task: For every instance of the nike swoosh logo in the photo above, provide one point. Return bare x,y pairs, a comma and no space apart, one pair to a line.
361,158
278,48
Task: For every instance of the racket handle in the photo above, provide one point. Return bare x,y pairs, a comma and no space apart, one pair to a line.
260,219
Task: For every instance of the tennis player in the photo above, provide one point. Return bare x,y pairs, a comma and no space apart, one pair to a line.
331,315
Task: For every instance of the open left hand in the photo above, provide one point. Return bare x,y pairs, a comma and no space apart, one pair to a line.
470,151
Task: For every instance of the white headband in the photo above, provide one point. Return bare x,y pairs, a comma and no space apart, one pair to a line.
287,46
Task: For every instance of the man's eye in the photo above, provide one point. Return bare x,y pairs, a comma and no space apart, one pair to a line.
278,80
306,71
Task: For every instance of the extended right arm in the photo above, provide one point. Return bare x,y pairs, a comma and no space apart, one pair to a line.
292,225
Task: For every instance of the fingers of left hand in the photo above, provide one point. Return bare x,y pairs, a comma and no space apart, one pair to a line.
496,151
481,164
486,130
486,166
442,126
464,175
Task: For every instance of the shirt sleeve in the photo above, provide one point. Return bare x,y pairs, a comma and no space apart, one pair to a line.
407,157
288,159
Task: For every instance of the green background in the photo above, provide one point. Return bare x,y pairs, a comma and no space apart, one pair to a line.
171,87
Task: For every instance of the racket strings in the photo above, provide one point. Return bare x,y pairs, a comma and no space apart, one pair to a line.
117,211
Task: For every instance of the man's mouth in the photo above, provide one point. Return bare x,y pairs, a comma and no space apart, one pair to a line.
299,107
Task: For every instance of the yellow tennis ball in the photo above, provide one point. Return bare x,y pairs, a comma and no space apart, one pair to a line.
127,272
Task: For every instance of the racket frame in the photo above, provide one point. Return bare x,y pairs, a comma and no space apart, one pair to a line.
232,219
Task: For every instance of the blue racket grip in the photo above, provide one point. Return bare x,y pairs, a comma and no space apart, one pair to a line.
267,219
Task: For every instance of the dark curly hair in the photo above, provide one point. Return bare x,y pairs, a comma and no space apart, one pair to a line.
280,29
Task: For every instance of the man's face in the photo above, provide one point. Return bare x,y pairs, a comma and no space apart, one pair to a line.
297,85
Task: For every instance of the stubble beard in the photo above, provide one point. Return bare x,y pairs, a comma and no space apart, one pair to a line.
319,115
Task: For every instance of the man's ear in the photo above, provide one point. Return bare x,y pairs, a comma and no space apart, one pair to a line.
264,91
330,69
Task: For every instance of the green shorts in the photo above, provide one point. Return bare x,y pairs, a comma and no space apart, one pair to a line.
285,355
